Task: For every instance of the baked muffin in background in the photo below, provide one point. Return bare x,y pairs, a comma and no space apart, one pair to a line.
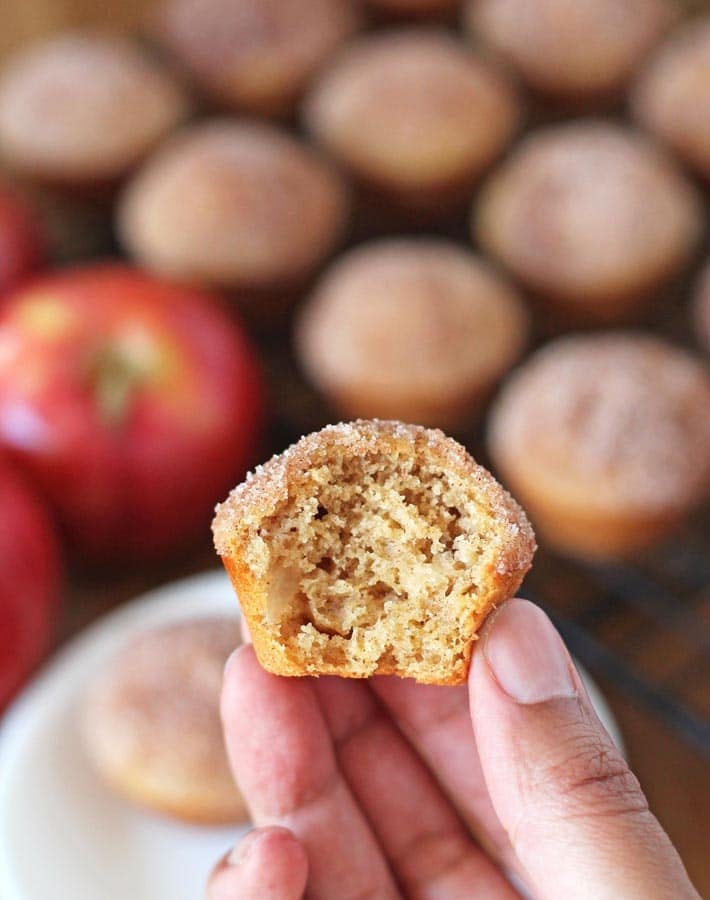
371,548
151,721
256,55
83,108
591,217
415,329
413,115
671,96
235,204
701,308
605,439
576,52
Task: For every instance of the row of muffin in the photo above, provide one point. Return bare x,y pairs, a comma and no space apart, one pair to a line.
589,214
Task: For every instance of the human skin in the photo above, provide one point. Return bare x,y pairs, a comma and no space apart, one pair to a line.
390,789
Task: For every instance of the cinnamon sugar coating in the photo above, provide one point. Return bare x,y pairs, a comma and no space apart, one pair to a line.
391,302
152,724
257,55
411,112
671,96
235,204
577,51
591,216
617,422
83,107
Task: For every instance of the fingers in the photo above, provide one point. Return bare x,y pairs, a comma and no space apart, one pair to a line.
268,864
575,814
431,853
283,761
437,722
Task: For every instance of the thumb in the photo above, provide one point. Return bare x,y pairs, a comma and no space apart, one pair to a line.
575,814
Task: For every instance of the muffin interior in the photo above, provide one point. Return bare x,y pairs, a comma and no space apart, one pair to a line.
375,563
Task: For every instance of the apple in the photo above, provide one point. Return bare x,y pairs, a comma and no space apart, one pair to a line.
29,581
134,405
22,244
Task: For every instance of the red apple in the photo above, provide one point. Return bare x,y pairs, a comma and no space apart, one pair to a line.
22,245
133,403
29,581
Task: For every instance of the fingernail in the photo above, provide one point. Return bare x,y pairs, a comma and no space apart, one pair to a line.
526,654
241,851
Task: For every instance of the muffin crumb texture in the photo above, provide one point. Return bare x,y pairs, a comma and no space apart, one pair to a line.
371,548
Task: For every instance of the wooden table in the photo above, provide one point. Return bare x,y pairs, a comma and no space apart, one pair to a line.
675,778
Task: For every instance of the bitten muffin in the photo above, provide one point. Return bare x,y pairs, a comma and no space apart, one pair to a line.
576,52
371,548
672,94
606,440
83,108
591,217
233,204
412,329
412,114
255,55
701,310
152,727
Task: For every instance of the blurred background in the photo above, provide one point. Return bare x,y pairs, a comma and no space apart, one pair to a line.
226,223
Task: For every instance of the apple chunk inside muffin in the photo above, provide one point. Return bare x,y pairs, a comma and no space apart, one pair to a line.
371,548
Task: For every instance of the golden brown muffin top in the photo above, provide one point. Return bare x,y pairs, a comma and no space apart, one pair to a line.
158,700
411,108
255,54
575,49
588,208
672,94
230,202
420,317
621,419
270,485
84,105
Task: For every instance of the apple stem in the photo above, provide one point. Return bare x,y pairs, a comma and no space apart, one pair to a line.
115,379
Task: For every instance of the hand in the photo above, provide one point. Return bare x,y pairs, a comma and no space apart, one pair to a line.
385,789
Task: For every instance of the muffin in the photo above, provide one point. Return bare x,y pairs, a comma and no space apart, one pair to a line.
701,311
573,52
413,329
233,204
412,114
371,548
152,727
83,108
256,55
590,217
671,97
606,440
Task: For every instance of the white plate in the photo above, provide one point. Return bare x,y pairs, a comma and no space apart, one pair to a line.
62,835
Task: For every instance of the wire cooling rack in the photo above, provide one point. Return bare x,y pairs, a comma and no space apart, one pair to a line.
645,626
